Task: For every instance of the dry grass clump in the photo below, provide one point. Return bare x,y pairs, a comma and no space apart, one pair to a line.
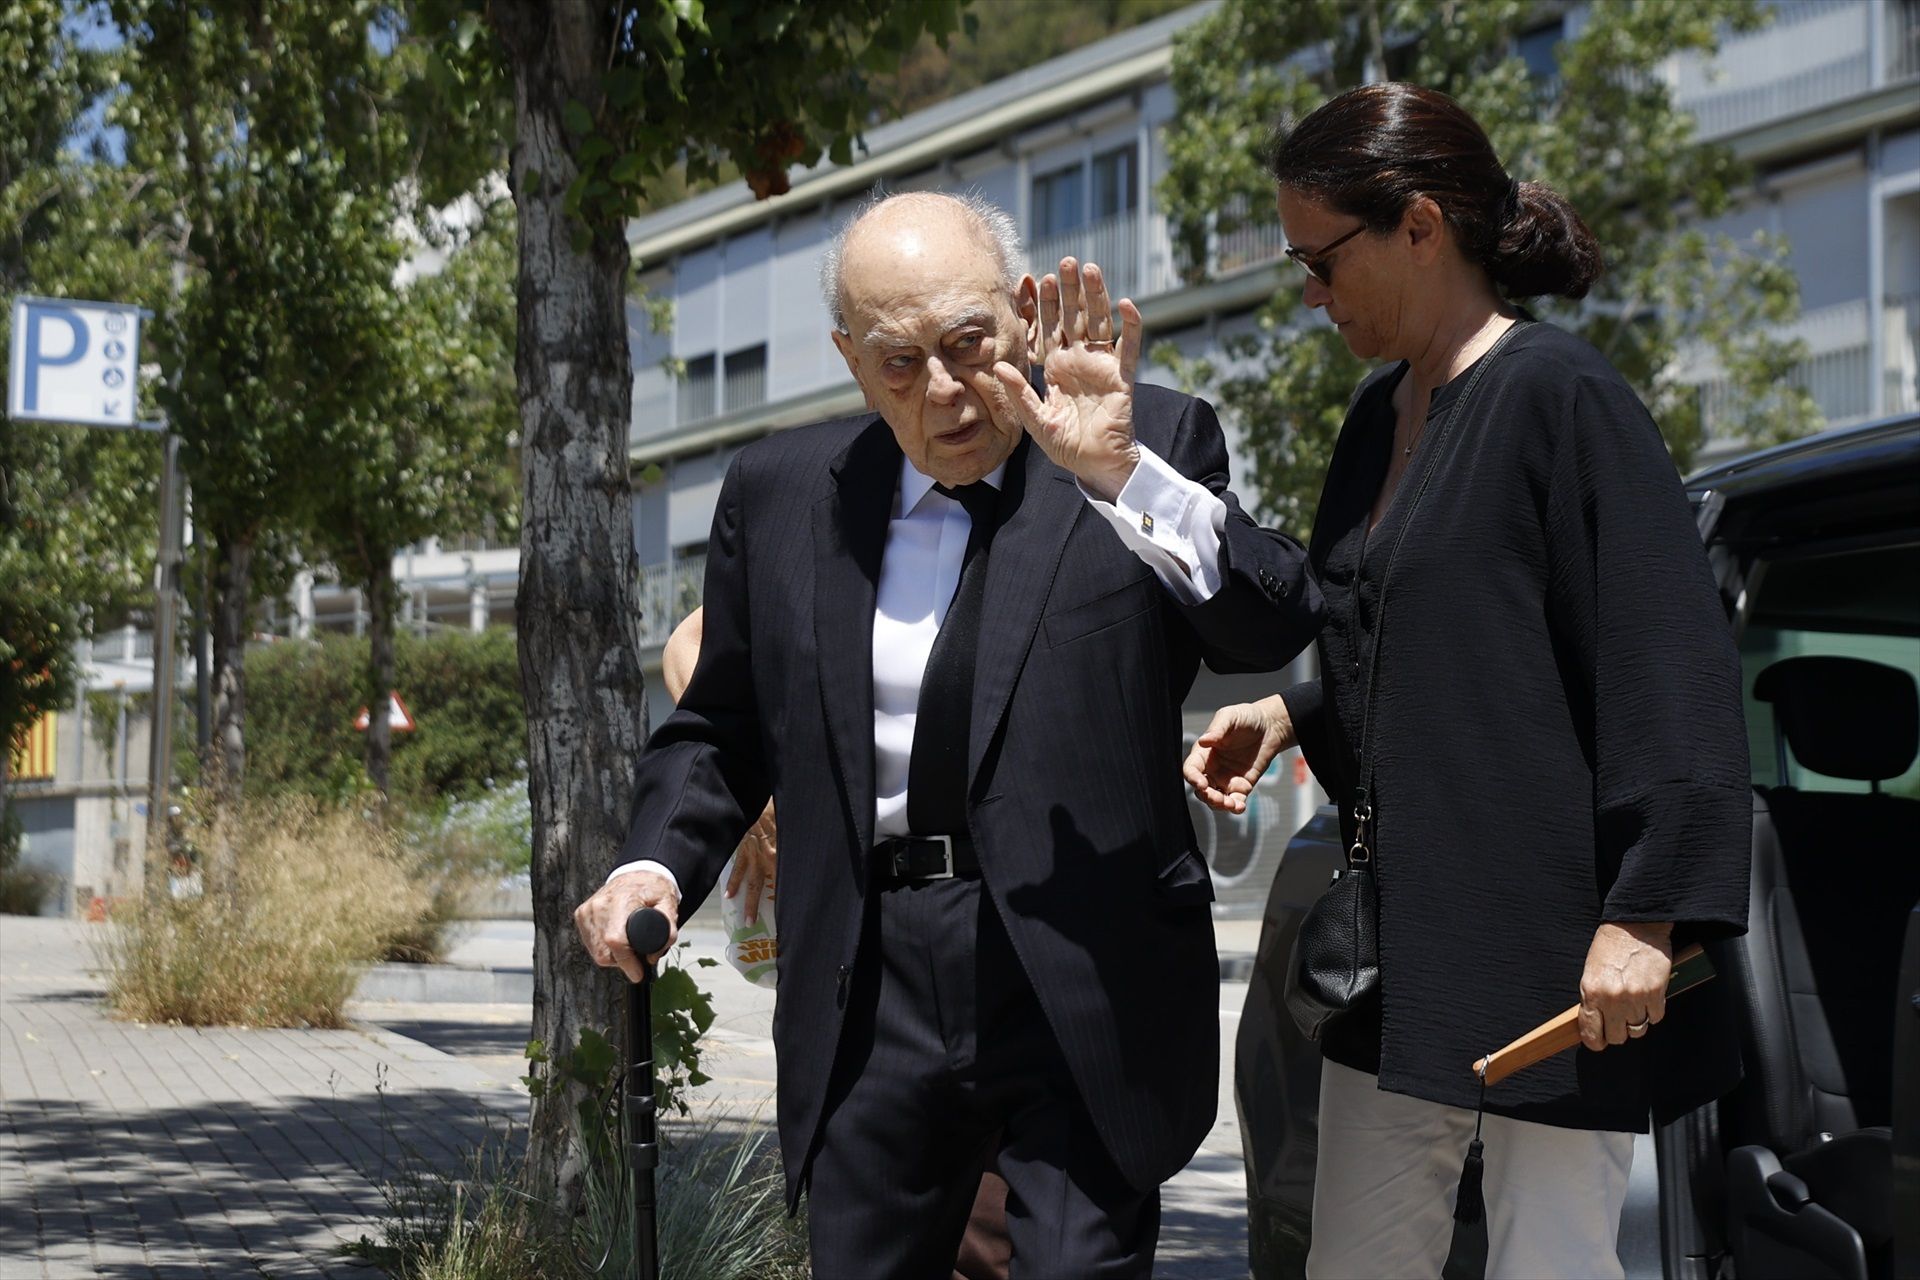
315,894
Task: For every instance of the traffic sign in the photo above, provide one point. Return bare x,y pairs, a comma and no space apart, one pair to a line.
399,719
74,361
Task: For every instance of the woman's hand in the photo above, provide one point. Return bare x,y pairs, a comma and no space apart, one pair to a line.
1086,422
1236,749
1624,989
753,863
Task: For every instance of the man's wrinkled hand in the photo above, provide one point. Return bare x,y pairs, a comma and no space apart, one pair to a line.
1228,759
1085,423
602,919
753,863
1623,991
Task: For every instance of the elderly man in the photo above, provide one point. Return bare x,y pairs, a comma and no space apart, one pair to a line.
955,661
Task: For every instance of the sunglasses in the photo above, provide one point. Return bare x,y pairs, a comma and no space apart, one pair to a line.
1315,264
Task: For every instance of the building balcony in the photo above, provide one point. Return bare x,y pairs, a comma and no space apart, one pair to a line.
668,593
1135,251
1813,54
1838,369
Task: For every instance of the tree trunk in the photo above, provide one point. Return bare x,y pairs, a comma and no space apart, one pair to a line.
381,599
577,607
226,767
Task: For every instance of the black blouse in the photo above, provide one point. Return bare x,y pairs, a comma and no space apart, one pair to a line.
1557,735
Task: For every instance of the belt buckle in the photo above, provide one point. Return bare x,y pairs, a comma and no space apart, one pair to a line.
946,845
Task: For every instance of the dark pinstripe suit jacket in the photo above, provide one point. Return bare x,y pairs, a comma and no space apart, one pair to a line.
1075,800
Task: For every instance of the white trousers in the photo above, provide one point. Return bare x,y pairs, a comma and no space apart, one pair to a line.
1389,1167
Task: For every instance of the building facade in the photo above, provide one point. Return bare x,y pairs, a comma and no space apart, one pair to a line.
1824,103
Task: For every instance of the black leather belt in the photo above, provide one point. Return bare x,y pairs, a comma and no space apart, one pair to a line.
925,858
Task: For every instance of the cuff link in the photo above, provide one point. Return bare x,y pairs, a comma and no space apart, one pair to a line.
1146,522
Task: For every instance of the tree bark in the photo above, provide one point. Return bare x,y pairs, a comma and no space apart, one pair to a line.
227,763
380,673
577,606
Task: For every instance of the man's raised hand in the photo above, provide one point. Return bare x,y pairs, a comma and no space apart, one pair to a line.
1085,423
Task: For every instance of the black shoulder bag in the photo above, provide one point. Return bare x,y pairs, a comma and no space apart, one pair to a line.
1335,964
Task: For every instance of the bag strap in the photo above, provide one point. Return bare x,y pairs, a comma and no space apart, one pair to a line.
1362,850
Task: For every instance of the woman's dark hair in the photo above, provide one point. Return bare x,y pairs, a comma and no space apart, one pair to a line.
1373,151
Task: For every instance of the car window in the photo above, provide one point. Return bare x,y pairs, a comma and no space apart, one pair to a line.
1853,604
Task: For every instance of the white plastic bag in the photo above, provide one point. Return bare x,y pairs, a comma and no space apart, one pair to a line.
753,948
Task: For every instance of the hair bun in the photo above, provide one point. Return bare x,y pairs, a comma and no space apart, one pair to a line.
1544,247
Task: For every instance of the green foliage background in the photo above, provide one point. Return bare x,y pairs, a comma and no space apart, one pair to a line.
462,688
1603,131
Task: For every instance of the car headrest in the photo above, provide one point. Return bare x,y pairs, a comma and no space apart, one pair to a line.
1845,717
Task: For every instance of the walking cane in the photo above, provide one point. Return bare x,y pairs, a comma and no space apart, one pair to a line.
647,932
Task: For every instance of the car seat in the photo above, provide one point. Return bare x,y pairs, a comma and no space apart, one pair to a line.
1809,1170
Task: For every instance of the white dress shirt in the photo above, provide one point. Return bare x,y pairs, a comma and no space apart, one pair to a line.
1172,523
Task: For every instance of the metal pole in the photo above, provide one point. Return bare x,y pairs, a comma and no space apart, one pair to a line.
166,584
203,651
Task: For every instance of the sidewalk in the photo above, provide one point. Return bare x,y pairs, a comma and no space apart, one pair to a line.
137,1151
130,1150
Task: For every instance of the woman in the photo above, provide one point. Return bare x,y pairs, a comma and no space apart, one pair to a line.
1559,784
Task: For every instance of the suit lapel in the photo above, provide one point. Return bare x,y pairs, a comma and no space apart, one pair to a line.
1039,508
850,536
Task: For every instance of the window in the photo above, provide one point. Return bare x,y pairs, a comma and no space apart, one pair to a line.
697,398
1536,49
1853,604
746,378
1116,186
1057,201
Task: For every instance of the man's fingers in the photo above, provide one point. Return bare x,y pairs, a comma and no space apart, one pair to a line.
1021,394
1099,306
1131,337
1070,299
1049,314
614,944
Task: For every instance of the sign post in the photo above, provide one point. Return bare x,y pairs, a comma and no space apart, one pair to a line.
79,363
166,587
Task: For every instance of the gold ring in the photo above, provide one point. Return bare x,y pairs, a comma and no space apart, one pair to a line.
1639,1028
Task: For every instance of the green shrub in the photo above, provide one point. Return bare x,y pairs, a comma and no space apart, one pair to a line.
495,827
463,689
720,1201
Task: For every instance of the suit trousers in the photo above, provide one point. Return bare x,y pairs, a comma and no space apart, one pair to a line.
1389,1166
945,1055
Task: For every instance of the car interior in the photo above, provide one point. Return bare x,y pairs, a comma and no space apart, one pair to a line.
1831,646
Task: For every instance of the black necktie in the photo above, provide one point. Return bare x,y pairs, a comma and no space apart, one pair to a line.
937,769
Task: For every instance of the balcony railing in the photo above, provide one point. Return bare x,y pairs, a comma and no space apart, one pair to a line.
1838,368
1900,323
1814,52
668,593
1115,243
1112,242
122,644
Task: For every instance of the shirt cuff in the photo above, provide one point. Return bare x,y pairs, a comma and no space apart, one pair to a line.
1172,523
647,864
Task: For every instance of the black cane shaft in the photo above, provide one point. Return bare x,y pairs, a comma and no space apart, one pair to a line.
640,1109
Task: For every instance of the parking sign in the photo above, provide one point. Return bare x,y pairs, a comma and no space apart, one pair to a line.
75,362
